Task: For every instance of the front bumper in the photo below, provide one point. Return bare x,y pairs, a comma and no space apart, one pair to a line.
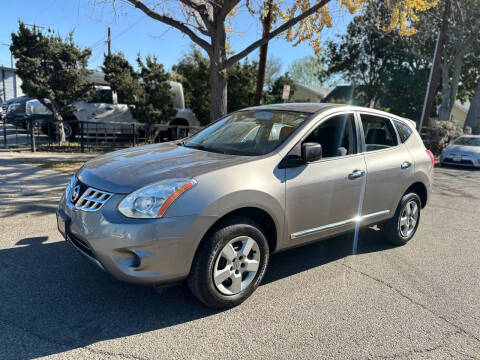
460,160
147,251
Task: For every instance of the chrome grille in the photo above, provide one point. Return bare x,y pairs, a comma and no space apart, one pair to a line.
90,199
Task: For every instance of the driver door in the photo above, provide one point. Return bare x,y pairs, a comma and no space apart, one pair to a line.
323,197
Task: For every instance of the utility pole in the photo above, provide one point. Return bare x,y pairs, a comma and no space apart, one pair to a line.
435,71
109,42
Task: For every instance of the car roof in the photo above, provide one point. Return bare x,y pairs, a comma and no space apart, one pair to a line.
297,107
313,108
20,98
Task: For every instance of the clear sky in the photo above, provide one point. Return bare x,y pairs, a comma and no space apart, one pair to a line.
133,32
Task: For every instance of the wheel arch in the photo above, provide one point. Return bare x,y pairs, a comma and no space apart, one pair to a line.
256,214
420,189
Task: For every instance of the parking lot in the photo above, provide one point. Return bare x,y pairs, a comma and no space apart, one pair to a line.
419,301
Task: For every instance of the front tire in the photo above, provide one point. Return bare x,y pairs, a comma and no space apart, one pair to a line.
403,226
230,264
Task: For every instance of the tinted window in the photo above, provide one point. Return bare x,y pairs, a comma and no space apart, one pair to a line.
336,135
469,141
101,96
379,132
404,130
248,132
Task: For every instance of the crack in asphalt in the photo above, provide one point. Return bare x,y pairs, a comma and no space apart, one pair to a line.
460,330
419,351
69,347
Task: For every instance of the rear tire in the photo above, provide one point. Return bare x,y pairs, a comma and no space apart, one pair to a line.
230,264
402,227
71,129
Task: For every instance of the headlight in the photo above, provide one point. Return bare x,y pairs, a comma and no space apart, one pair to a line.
12,107
152,201
70,185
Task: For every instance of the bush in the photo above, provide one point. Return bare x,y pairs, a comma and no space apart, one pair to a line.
441,134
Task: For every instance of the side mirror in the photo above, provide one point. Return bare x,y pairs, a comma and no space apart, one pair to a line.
311,152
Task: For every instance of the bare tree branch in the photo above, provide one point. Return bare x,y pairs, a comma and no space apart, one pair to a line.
285,26
172,22
202,10
228,6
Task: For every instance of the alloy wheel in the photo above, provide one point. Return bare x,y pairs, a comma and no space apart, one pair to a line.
68,130
408,219
236,265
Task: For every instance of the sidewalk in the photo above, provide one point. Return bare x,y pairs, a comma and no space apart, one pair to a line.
27,188
26,156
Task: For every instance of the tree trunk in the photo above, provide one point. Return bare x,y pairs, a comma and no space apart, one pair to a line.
218,74
432,90
450,87
262,62
59,122
444,111
473,116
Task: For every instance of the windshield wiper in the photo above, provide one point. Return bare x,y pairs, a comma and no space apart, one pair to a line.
194,146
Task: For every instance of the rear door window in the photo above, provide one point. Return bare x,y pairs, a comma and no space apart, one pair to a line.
379,132
337,136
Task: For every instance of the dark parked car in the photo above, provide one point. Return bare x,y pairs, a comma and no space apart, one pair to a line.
6,104
23,110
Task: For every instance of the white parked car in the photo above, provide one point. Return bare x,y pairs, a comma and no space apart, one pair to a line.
464,151
104,107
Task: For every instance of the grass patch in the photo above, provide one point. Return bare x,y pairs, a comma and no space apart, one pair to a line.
67,167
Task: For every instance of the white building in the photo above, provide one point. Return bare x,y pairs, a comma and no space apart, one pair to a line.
10,84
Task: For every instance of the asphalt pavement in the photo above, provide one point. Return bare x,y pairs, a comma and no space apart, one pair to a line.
419,301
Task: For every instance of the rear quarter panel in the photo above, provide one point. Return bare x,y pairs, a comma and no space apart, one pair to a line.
423,167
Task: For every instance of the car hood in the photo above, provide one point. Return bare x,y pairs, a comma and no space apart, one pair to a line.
126,170
463,149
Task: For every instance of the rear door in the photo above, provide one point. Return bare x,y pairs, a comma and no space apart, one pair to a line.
323,197
389,167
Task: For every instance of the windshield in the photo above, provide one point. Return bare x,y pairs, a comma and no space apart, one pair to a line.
469,141
254,132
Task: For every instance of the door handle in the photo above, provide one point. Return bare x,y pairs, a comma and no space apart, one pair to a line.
356,174
406,165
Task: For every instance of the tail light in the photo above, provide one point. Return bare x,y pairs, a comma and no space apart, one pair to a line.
432,158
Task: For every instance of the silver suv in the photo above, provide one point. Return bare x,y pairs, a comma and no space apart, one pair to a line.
212,208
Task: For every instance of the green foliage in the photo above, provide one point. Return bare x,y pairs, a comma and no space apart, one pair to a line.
274,94
122,78
148,90
154,103
386,66
306,70
193,71
241,85
51,67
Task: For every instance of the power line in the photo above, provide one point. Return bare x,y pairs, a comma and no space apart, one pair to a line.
109,42
128,28
100,43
